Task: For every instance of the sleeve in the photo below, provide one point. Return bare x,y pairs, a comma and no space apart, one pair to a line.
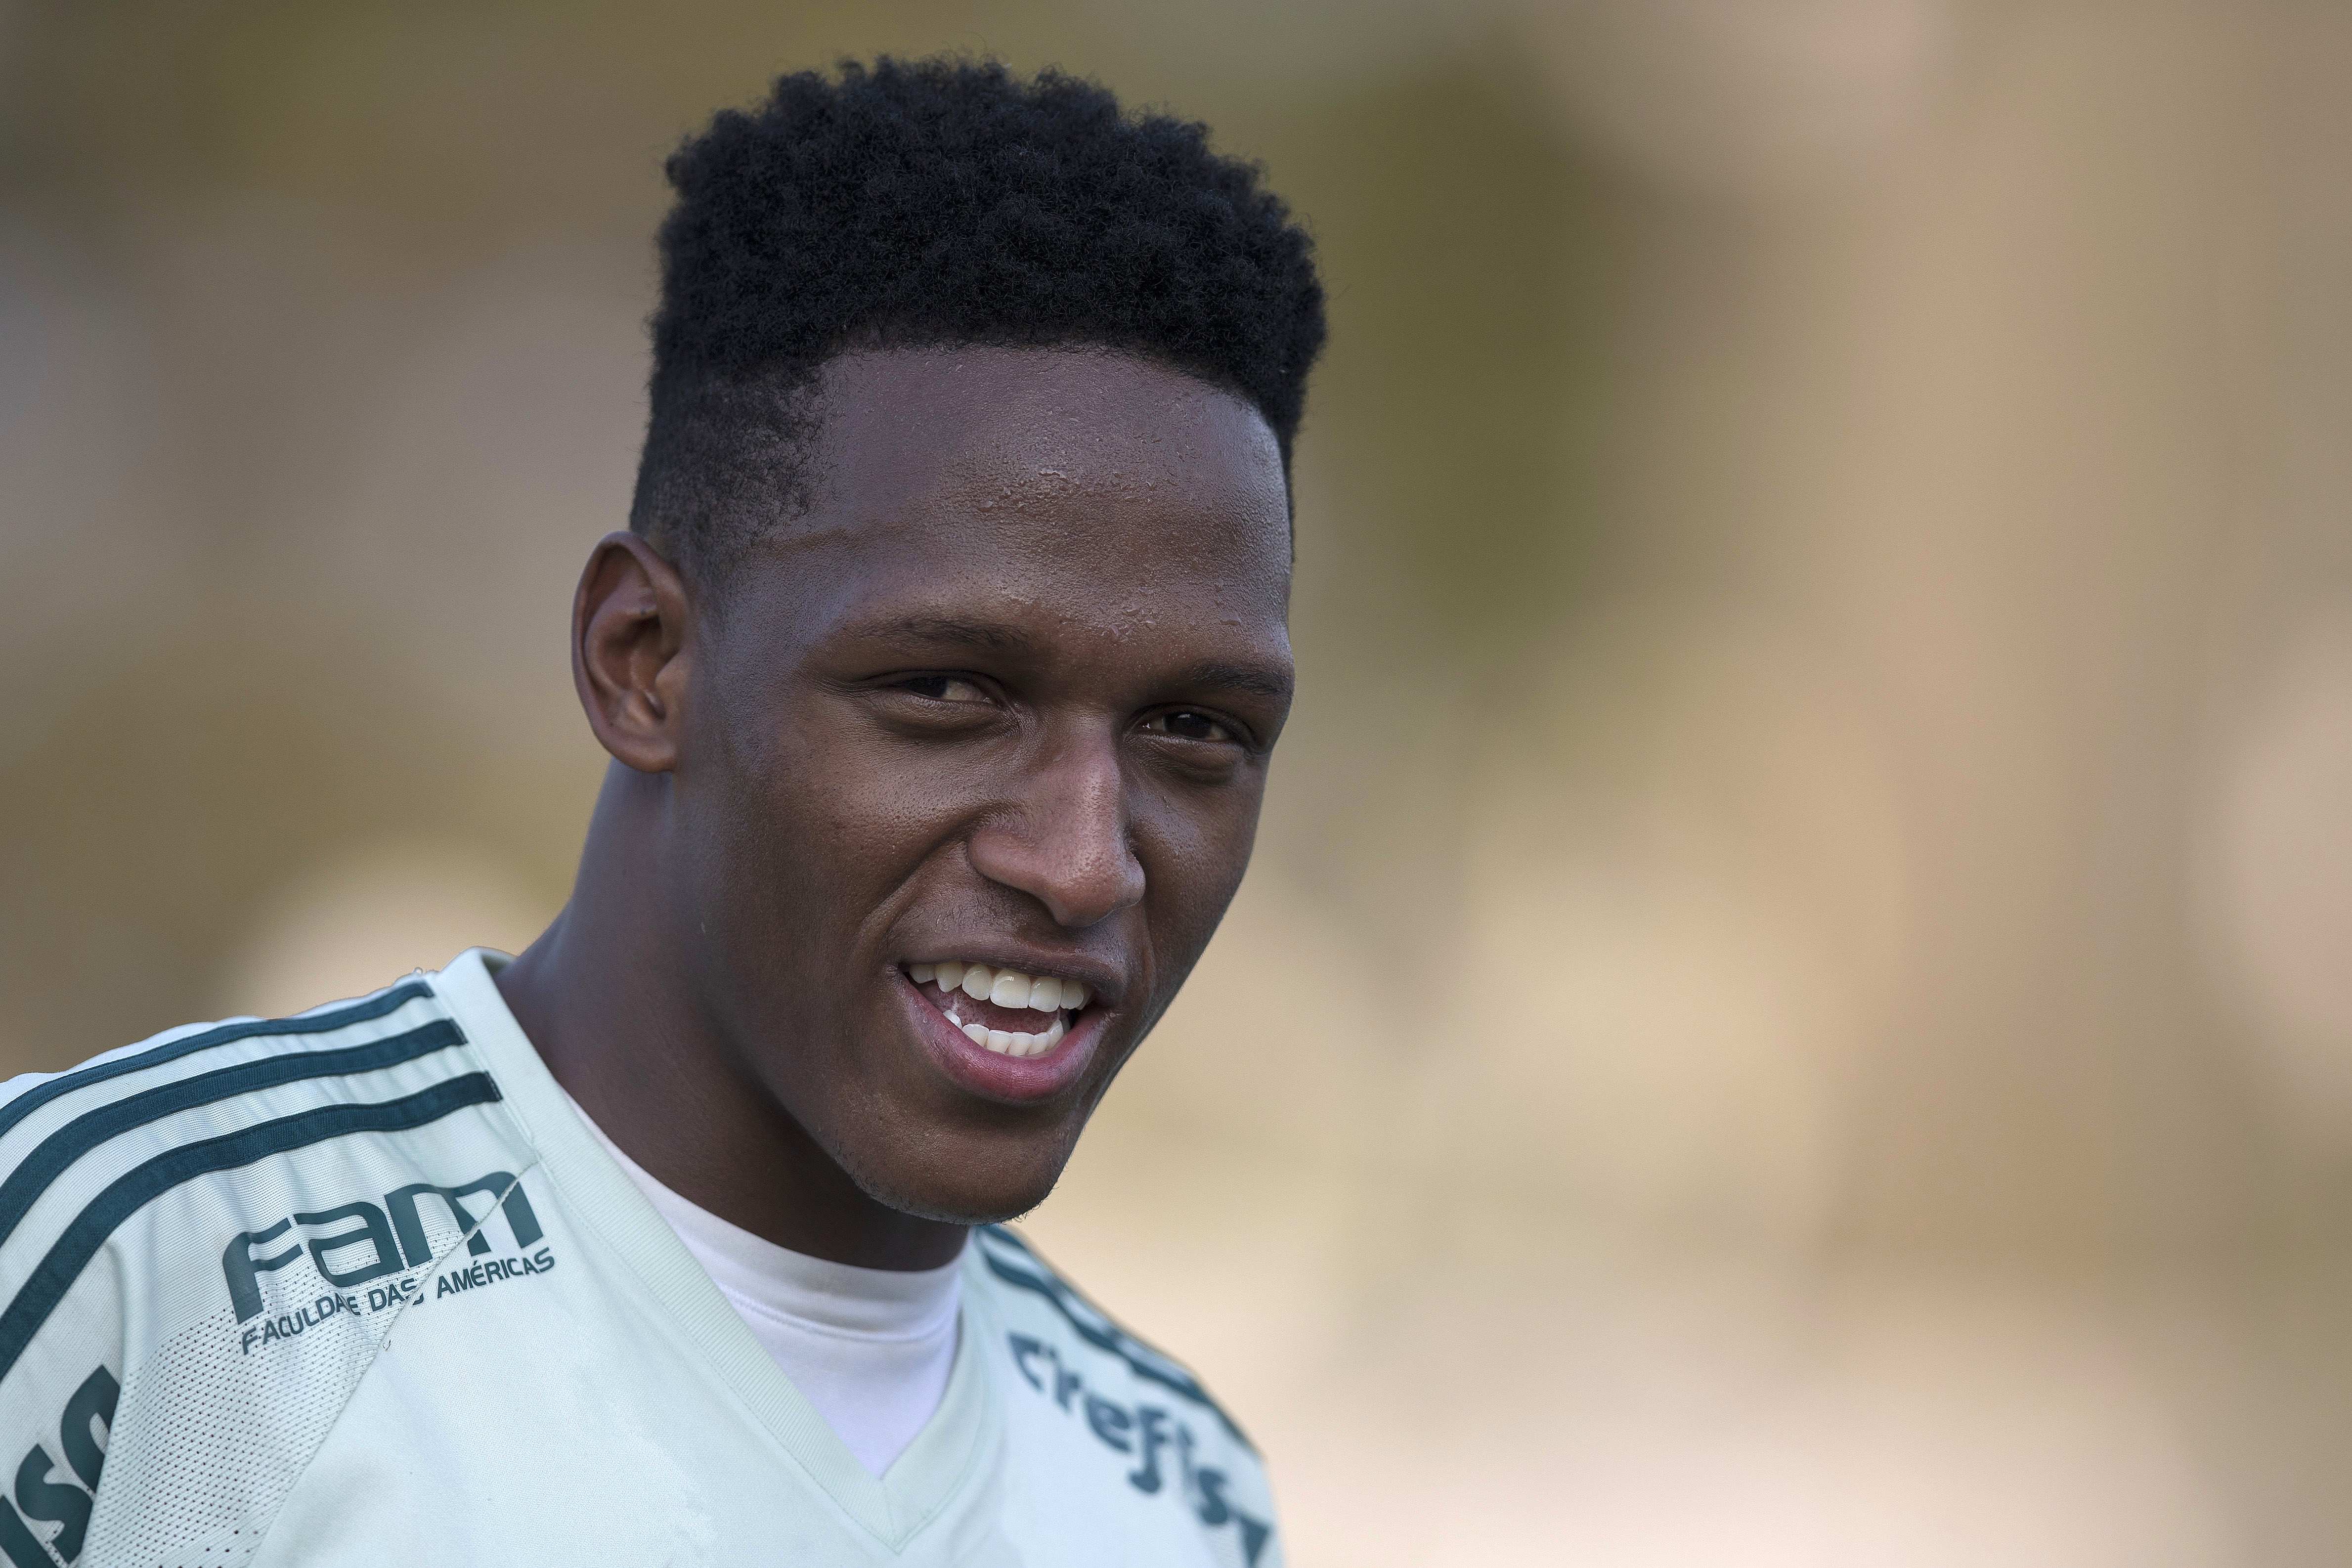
61,1343
190,1231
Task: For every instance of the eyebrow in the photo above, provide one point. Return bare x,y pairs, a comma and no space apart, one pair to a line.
989,635
1250,678
994,637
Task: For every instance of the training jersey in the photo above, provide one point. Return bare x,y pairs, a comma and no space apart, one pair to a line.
361,1286
871,1349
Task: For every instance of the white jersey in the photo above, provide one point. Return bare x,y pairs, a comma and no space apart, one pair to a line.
361,1286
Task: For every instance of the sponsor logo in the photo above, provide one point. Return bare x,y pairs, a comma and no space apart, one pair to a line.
1160,1443
45,1492
380,1247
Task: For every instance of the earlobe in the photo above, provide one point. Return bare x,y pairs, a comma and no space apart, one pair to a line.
629,624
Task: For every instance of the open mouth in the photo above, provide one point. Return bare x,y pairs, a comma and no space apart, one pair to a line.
1004,1010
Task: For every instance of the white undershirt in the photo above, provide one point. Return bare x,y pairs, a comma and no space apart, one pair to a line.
870,1348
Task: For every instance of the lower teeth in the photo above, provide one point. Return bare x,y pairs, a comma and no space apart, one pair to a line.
1012,1043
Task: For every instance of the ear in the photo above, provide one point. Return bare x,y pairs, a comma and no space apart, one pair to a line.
630,618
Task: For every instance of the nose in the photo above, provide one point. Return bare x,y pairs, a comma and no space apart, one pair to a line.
1065,840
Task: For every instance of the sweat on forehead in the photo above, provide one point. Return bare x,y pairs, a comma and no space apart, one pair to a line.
1024,484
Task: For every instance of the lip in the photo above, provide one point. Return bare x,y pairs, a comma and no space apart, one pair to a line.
1008,1080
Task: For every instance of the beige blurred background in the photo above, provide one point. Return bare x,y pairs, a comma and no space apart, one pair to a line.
1795,1004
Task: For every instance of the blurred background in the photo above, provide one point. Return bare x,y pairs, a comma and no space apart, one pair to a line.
1800,964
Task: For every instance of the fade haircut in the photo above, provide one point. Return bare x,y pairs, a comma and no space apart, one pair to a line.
941,202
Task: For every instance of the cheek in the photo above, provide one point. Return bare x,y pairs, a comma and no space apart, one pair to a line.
878,805
1195,857
784,839
854,815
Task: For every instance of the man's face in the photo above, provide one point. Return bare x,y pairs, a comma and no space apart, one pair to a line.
1004,698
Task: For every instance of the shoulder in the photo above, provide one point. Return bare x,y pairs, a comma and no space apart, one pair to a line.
1086,1334
226,1104
123,1181
208,1063
1127,1395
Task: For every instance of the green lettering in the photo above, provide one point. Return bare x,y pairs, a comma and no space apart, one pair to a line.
59,1503
1110,1421
17,1543
384,1252
242,1269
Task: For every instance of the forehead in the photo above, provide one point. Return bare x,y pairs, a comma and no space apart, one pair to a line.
1095,488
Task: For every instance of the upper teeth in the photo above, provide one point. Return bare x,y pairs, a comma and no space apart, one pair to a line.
1006,987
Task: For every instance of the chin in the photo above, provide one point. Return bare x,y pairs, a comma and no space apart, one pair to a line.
969,1197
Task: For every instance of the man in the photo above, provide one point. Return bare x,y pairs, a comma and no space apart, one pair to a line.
940,669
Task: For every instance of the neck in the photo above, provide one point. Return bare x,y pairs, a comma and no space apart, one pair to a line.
607,999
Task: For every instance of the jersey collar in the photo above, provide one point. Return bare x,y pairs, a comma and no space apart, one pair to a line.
961,1435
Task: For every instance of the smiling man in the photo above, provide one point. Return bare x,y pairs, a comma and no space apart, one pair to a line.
940,668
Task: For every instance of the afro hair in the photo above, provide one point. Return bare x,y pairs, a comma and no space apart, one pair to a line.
934,202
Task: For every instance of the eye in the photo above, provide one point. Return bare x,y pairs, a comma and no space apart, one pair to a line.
943,688
1191,724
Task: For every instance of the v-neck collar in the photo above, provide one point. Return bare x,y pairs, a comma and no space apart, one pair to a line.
892,1507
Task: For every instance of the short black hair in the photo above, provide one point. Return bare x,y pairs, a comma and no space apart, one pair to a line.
931,201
